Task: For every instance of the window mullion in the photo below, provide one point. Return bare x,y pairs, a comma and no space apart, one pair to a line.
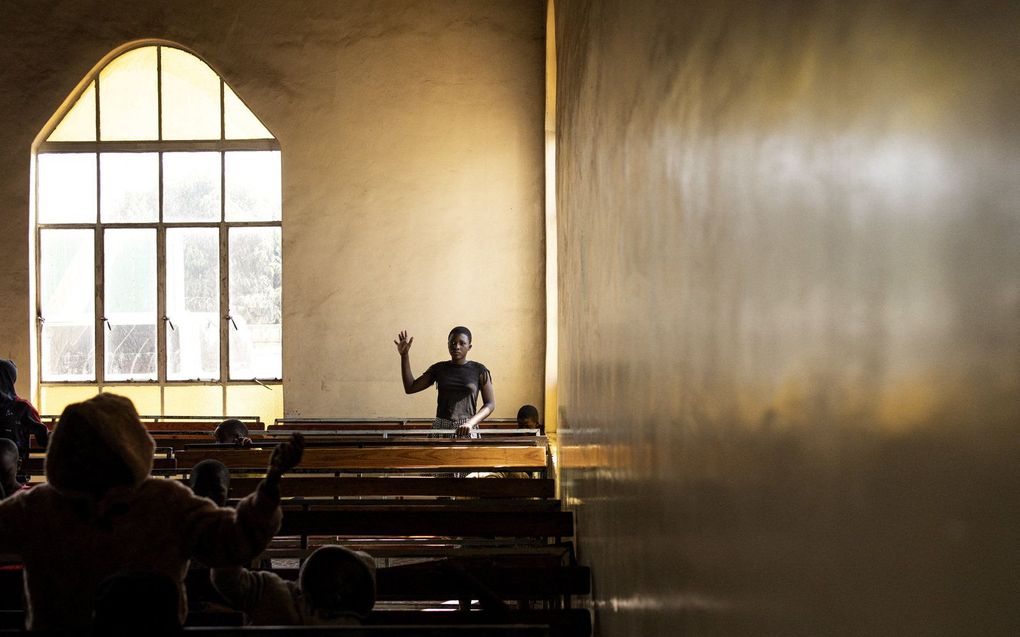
161,324
225,323
100,326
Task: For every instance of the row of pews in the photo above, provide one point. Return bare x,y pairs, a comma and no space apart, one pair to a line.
457,555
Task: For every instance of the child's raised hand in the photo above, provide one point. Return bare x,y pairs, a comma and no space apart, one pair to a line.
403,342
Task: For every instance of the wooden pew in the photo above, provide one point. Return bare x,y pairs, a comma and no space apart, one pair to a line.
179,424
379,424
423,630
403,522
448,457
330,487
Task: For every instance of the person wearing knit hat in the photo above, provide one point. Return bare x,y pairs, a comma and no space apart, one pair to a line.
100,513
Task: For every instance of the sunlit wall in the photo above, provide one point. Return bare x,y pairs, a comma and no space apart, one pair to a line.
789,253
411,137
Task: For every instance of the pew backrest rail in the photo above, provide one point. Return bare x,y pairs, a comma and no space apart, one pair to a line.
330,487
383,460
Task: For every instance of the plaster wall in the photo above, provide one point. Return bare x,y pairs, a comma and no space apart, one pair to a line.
412,139
789,251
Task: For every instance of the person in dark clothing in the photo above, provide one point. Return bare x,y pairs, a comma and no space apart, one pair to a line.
18,418
232,431
9,462
142,603
211,479
458,380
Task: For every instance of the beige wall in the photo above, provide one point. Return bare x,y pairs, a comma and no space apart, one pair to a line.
412,138
790,314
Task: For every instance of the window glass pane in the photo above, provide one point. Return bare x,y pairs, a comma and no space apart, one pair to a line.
191,97
238,121
79,124
67,188
194,400
129,187
191,187
266,402
145,397
127,97
67,303
255,276
130,297
53,398
253,185
193,303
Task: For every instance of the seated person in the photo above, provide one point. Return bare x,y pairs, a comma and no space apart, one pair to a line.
232,432
100,513
336,587
10,460
211,479
136,604
527,418
18,418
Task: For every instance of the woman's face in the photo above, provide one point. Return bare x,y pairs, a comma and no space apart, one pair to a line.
459,346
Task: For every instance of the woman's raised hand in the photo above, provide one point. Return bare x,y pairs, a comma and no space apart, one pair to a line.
403,343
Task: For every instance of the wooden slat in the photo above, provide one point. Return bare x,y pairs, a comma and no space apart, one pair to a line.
378,441
395,487
563,622
371,425
549,524
449,458
440,580
35,464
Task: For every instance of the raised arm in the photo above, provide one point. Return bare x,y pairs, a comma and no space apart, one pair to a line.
223,537
412,385
488,406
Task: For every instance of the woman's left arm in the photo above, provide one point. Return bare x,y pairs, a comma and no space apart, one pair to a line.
488,406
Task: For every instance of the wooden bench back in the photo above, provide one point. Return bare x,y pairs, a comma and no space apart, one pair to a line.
320,487
383,459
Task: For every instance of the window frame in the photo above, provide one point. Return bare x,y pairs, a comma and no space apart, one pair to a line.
160,147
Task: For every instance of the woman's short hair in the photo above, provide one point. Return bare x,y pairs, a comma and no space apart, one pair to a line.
460,329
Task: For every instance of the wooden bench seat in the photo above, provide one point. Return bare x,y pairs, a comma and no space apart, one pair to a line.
402,523
329,487
379,441
394,458
442,580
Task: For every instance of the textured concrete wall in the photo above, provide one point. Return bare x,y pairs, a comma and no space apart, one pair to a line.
790,314
412,173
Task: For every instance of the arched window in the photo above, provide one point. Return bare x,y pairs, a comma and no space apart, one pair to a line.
158,262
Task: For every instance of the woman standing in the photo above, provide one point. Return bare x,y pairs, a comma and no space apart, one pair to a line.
458,380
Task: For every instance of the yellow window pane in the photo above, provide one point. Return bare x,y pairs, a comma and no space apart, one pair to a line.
145,397
256,400
193,400
191,97
127,97
53,398
79,124
239,122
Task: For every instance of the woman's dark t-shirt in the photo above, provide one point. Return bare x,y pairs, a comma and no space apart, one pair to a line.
458,387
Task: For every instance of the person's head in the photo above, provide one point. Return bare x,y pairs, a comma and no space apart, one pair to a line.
8,376
10,460
97,445
335,579
230,431
459,343
211,479
137,604
527,417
